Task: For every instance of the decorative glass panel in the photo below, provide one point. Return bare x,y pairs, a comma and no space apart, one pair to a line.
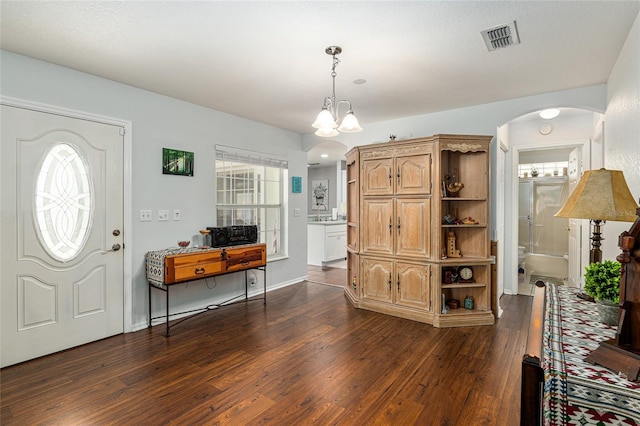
63,202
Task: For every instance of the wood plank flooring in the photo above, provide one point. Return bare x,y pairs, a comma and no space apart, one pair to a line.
307,357
327,275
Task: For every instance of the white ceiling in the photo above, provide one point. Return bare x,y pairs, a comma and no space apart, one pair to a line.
265,60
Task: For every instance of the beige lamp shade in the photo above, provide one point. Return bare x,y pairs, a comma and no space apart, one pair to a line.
601,195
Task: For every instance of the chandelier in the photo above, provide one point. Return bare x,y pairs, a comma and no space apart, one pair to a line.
326,122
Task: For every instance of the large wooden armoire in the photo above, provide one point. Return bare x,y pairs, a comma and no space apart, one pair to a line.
418,244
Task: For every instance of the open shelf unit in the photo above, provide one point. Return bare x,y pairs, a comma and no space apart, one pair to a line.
463,211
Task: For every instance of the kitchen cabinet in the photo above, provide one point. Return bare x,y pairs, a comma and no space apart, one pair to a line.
326,242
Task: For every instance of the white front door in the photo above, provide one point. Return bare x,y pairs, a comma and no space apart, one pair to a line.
61,232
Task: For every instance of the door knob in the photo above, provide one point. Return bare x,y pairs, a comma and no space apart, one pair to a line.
116,232
115,247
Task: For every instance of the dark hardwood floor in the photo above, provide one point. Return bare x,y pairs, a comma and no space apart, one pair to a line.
327,275
307,357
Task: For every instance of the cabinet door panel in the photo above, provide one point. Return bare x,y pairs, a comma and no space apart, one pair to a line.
376,280
413,174
377,176
413,219
412,285
335,246
377,226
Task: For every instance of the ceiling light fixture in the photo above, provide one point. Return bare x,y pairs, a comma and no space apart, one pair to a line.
550,113
326,122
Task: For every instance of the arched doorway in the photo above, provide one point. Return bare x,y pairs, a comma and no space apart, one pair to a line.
530,133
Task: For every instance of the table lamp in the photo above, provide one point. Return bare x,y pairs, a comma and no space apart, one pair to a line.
601,195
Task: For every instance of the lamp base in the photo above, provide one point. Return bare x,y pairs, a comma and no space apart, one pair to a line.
595,255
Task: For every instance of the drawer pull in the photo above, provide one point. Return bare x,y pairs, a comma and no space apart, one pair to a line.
199,271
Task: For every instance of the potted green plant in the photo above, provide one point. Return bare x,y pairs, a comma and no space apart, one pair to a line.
602,282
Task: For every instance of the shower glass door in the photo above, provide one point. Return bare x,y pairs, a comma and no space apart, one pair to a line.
538,229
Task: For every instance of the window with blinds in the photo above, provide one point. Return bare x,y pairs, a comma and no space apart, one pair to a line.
250,191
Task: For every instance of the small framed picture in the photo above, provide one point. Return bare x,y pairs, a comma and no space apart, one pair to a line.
320,190
176,162
296,184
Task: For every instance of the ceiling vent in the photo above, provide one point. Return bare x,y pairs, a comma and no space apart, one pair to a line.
501,36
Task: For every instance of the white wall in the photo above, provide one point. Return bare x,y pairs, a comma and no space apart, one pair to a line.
160,121
622,129
320,173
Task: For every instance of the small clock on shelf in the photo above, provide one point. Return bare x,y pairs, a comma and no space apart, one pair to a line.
465,274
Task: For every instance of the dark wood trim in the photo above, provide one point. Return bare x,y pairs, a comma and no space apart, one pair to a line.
532,375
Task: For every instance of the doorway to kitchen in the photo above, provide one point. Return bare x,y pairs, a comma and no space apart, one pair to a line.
326,218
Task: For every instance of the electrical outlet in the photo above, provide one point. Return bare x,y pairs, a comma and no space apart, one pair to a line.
163,215
252,279
145,215
176,215
296,212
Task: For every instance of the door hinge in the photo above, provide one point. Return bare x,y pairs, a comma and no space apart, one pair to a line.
122,131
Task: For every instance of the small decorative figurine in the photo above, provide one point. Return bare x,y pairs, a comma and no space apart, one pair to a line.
453,185
452,251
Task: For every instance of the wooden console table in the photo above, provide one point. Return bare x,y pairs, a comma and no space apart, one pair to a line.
166,268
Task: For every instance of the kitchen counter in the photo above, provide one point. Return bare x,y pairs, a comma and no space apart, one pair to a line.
328,222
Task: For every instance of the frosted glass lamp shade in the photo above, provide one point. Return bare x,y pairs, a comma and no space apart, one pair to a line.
327,132
350,123
325,120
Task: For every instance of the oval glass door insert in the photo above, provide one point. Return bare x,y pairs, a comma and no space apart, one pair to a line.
63,202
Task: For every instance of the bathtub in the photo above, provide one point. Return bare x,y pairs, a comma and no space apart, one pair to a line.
546,265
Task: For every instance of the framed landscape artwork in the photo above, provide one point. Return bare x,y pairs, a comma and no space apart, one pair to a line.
177,162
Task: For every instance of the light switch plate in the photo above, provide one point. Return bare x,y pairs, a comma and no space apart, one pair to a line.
145,215
177,215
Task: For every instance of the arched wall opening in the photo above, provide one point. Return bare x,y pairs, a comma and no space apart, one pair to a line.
529,138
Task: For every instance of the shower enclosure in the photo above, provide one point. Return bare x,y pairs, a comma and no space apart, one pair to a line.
545,238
